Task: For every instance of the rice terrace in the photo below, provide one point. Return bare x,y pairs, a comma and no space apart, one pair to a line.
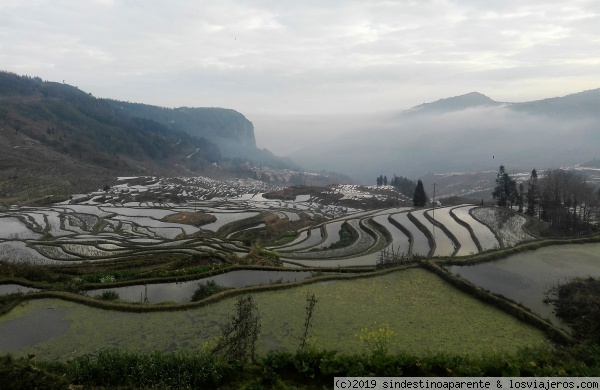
118,268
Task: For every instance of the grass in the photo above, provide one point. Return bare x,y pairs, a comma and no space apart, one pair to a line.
426,315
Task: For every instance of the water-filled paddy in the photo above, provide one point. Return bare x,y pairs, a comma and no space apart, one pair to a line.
484,235
527,276
15,289
333,234
182,291
13,228
400,242
426,314
443,244
420,244
313,239
462,234
19,252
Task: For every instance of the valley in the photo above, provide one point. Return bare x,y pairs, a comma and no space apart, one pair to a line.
145,244
129,227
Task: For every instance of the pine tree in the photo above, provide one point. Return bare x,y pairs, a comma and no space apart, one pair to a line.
505,190
385,180
420,197
520,197
533,194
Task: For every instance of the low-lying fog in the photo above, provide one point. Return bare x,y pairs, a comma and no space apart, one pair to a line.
365,146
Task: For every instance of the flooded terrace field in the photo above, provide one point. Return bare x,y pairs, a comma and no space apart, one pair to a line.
528,276
436,318
182,292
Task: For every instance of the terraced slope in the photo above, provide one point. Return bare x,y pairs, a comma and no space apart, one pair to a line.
134,219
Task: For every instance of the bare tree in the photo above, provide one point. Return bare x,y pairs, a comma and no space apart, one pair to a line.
238,338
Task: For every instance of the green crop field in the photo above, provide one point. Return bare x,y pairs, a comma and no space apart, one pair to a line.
426,315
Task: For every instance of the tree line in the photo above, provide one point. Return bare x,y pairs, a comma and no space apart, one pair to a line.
563,199
406,187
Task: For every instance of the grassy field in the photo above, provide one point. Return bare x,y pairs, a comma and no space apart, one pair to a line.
426,315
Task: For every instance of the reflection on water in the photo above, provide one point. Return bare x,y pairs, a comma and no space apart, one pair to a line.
182,291
527,277
6,289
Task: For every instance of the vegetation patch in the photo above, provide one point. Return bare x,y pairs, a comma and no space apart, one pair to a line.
205,290
578,303
305,369
276,231
189,218
108,295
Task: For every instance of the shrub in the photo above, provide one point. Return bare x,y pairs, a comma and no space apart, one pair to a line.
377,339
205,290
578,303
108,295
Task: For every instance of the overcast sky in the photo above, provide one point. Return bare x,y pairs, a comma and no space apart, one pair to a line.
265,57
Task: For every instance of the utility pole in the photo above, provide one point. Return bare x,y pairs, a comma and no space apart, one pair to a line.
434,201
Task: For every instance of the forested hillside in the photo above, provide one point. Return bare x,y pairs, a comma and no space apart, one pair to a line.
57,138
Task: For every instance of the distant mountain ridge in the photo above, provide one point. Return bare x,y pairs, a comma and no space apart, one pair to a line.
466,133
456,103
581,104
586,103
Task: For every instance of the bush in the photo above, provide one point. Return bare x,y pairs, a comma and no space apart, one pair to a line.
114,368
578,303
205,290
108,295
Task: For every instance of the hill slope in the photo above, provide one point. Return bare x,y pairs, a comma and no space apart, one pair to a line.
58,139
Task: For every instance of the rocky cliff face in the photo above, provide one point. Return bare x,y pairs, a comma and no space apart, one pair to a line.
243,132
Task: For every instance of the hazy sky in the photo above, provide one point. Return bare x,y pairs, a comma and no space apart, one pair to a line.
305,57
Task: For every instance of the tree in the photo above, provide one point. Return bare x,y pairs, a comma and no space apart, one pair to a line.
568,203
385,180
311,301
238,338
403,185
379,181
533,194
505,191
420,197
520,197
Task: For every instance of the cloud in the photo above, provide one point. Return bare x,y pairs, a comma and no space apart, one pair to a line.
305,57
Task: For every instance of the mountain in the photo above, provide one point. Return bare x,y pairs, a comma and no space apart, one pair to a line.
577,105
55,139
466,133
227,129
457,103
215,124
